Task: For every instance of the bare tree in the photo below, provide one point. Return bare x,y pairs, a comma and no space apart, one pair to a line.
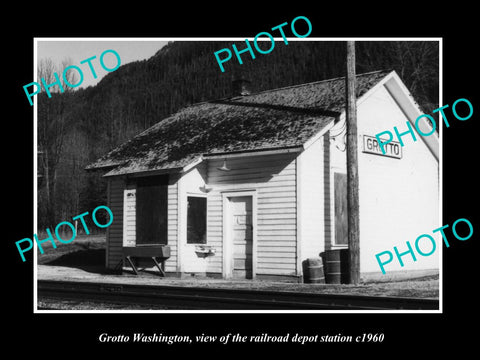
70,77
45,70
416,62
51,131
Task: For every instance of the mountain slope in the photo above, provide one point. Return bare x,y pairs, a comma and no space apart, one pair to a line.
83,125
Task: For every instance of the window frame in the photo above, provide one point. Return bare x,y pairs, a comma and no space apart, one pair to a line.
202,196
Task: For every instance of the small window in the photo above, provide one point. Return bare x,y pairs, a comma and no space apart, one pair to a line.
197,220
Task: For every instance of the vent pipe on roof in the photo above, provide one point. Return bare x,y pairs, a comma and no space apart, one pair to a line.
240,86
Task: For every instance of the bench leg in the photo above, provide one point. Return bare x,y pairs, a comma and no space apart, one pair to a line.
158,266
132,265
118,266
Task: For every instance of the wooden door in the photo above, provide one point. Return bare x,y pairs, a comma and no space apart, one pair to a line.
242,236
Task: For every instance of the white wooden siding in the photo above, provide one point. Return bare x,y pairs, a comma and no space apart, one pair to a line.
399,198
273,178
190,184
172,221
129,216
312,200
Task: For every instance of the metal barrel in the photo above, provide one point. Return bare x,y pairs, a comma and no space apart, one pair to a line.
336,266
313,273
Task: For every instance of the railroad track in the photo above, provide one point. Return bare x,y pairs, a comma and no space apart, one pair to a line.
223,299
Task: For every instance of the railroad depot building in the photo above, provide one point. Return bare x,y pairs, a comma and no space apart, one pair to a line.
253,185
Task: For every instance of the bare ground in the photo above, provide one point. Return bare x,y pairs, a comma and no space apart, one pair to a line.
83,259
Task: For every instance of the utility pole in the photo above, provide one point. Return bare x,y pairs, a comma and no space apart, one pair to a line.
352,167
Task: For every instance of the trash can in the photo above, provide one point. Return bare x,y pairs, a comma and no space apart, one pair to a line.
336,266
313,271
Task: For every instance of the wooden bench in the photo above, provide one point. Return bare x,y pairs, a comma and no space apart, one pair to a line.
149,251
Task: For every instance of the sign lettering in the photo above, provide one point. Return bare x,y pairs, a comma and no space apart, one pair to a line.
391,149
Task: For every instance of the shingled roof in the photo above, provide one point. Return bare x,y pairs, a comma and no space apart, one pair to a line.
274,119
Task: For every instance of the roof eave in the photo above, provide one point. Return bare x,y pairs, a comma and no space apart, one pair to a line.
262,152
92,168
141,173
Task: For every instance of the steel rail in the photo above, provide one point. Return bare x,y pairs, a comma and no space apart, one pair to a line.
204,298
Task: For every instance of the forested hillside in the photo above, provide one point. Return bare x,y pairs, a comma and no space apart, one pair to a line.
76,127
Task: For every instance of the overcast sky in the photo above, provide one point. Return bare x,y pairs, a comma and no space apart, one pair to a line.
78,50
